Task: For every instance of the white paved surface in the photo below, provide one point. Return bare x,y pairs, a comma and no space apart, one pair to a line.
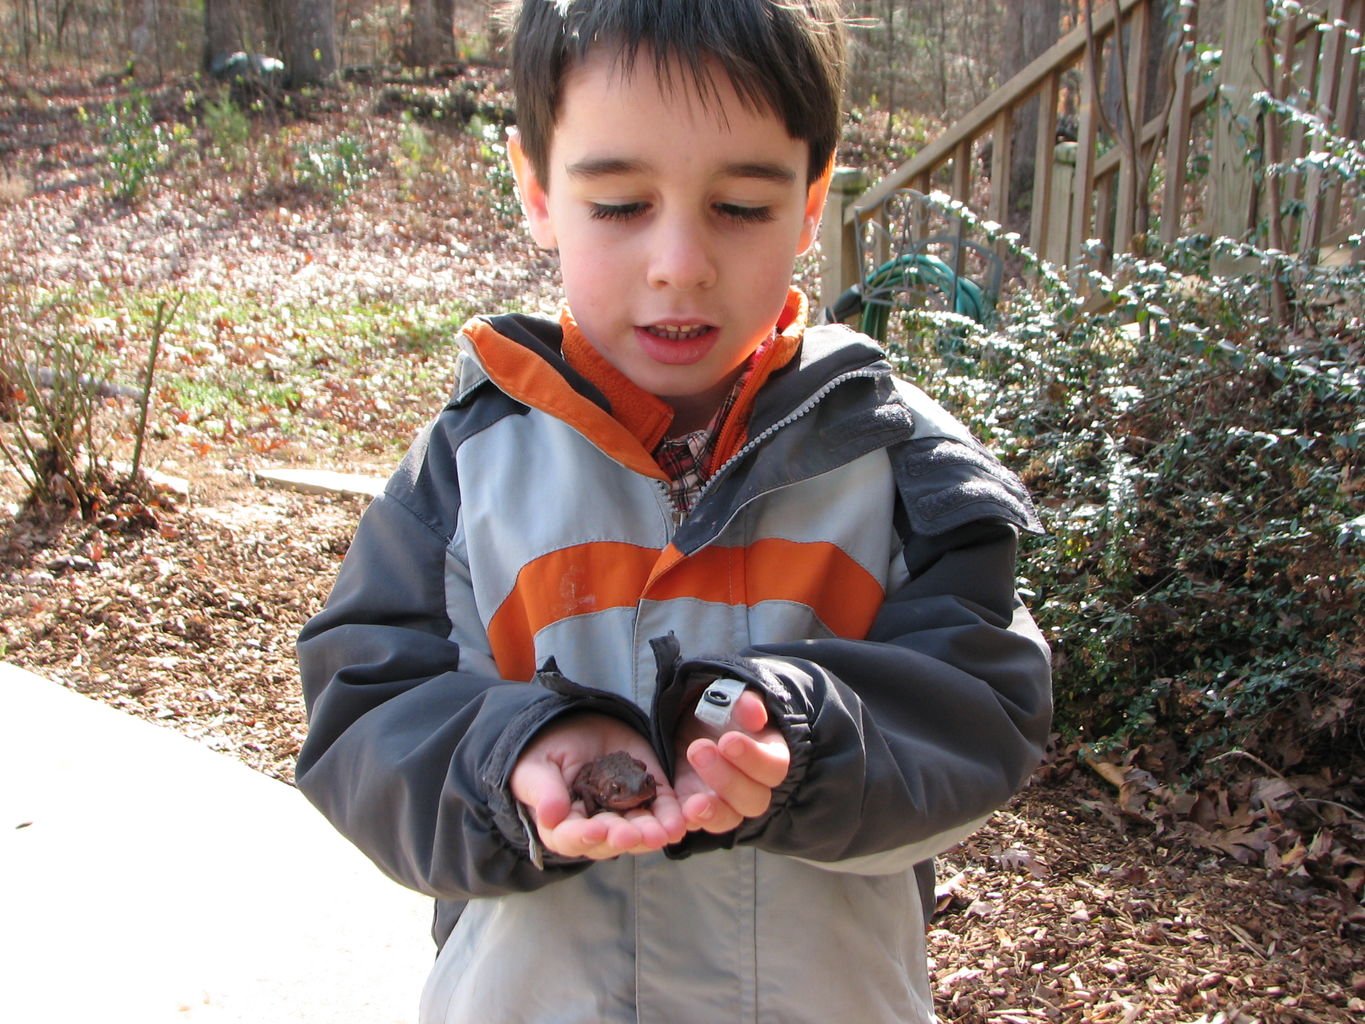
145,878
323,481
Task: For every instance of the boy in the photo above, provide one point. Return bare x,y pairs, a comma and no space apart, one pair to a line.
677,483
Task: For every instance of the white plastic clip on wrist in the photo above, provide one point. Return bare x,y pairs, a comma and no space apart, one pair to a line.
717,703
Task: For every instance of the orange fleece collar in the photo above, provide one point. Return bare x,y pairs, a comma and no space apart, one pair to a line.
648,417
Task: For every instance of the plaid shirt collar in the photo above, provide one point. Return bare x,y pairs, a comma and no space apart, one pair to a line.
685,458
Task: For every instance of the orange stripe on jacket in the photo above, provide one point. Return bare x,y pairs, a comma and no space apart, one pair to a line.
593,577
577,580
841,593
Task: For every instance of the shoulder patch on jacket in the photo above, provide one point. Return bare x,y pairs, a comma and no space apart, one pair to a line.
945,483
946,478
426,481
931,419
469,377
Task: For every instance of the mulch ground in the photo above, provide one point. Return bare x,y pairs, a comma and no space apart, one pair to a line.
1065,907
1057,910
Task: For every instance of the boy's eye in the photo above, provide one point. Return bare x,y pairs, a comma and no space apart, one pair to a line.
745,214
729,211
615,211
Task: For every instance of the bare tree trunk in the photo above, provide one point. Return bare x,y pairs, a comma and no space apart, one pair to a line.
941,60
221,30
25,36
274,23
310,49
142,40
1158,82
423,46
63,17
445,28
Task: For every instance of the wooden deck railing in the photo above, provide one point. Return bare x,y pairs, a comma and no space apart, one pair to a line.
1100,187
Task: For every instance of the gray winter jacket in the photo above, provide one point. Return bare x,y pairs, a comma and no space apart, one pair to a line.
854,562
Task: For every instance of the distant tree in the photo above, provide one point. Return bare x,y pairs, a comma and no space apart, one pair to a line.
445,27
273,16
222,30
1030,27
433,32
142,39
310,47
423,47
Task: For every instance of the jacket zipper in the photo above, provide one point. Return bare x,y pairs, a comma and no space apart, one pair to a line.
786,421
674,517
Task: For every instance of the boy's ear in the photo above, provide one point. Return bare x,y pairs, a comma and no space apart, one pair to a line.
815,206
535,202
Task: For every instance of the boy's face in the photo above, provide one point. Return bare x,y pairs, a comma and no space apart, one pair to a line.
677,224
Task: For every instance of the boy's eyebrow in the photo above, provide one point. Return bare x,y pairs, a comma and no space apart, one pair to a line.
605,167
763,171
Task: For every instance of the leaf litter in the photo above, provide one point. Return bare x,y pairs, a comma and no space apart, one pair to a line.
1099,894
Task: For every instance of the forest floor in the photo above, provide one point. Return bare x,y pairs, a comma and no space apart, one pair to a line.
184,609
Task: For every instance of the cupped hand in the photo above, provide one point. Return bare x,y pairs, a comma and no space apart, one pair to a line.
546,769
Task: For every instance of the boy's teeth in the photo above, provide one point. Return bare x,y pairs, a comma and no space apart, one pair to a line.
684,333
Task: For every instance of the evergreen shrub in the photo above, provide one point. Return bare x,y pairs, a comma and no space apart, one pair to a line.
1200,465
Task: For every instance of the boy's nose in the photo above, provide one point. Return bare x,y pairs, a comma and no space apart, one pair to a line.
681,257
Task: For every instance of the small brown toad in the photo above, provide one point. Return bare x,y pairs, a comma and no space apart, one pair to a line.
614,782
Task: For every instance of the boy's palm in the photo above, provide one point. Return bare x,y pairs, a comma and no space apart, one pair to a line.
546,769
720,781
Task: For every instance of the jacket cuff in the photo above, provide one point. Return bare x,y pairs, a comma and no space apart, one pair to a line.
788,710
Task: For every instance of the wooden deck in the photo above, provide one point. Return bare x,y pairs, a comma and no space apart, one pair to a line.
1182,158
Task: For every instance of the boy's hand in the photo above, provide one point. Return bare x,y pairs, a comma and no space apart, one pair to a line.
546,769
721,781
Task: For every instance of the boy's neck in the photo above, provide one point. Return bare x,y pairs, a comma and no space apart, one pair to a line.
696,412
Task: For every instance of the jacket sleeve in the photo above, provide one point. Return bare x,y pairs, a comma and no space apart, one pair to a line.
411,736
904,742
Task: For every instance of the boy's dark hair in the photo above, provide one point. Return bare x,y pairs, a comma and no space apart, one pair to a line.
786,56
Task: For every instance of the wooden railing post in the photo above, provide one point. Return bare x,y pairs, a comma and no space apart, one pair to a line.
1178,131
1056,238
1322,208
1127,203
1233,177
1045,148
839,268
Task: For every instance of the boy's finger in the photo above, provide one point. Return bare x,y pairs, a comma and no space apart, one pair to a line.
539,785
751,713
664,815
622,835
737,789
764,758
551,811
608,834
709,813
576,837
652,834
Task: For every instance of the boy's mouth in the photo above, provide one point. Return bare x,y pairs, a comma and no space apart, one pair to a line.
677,332
681,343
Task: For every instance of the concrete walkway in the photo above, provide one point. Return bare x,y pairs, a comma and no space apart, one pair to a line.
145,878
